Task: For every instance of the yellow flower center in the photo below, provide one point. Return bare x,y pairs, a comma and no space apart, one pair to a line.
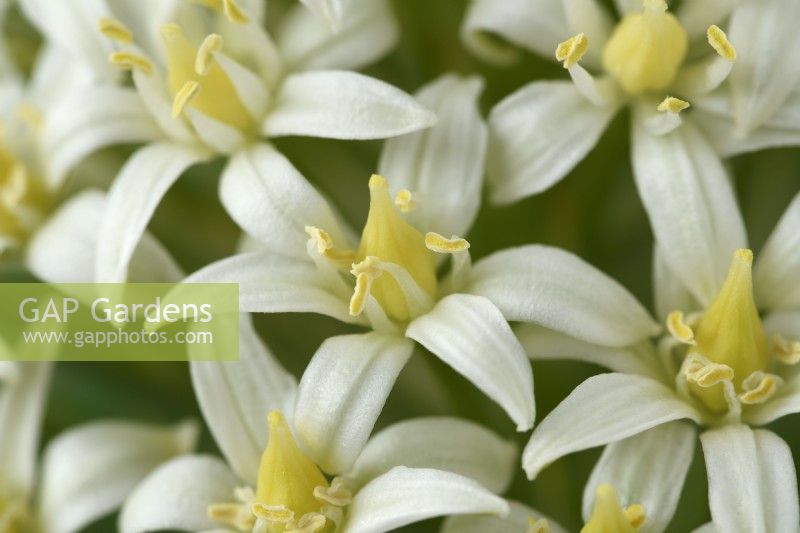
608,515
196,79
646,49
730,334
22,198
14,517
389,238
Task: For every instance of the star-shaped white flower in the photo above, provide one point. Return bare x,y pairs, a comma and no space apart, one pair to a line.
306,260
216,83
274,481
85,472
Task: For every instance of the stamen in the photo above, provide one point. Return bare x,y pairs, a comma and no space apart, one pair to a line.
708,374
308,523
787,352
439,244
114,29
234,12
608,515
572,50
183,96
405,201
326,248
234,514
538,526
670,104
719,41
130,61
205,54
759,387
679,329
336,494
636,515
366,272
273,513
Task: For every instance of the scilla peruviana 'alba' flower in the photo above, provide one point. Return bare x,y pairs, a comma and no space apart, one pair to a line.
218,84
306,260
273,482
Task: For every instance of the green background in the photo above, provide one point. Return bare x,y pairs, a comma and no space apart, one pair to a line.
594,213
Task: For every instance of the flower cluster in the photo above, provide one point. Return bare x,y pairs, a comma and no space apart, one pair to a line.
418,400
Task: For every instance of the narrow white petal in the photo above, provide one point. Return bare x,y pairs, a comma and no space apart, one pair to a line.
236,396
177,496
403,496
132,199
343,105
21,411
767,71
269,198
273,283
670,294
537,135
706,528
217,135
63,250
368,32
648,469
696,17
690,202
342,392
702,76
443,166
777,266
444,443
116,115
543,343
602,409
752,485
88,471
557,289
470,334
539,27
331,11
515,522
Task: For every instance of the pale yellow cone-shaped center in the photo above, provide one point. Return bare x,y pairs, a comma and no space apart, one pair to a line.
286,477
608,516
731,332
646,49
391,239
215,94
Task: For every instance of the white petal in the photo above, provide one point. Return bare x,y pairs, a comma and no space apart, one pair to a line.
708,527
785,402
470,334
443,166
177,496
217,135
343,105
144,18
702,76
132,199
696,17
777,266
21,411
752,485
331,11
543,343
273,202
670,294
369,31
88,471
515,522
591,18
116,115
444,443
602,409
692,209
539,27
627,6
273,283
557,289
342,392
236,396
537,135
648,469
766,71
403,496
153,91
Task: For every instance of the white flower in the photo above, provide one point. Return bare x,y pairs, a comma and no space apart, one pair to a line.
388,282
218,84
272,481
727,364
85,473
657,63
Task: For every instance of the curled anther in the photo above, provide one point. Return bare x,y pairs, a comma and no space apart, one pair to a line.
707,374
326,248
405,201
679,329
572,50
115,30
337,494
205,53
719,42
538,525
366,272
673,105
273,513
131,61
442,245
183,97
234,514
308,523
786,351
635,515
758,388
